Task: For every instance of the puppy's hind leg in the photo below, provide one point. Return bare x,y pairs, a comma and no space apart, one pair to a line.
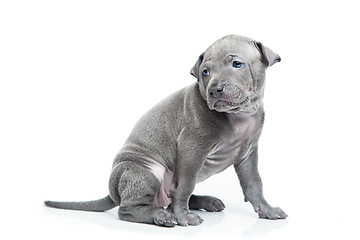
138,188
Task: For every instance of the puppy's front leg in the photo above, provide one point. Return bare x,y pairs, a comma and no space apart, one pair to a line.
189,162
247,171
180,193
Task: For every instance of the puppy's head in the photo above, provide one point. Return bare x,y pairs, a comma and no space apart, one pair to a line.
231,74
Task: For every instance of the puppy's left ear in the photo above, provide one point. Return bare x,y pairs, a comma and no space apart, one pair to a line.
267,56
195,70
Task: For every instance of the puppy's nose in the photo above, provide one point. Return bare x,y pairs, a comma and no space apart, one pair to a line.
216,91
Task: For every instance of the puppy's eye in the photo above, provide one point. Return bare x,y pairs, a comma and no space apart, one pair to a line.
237,64
206,72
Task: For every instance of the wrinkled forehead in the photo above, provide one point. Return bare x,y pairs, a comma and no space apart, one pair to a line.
242,48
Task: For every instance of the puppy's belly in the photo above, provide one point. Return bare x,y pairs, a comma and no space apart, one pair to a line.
165,177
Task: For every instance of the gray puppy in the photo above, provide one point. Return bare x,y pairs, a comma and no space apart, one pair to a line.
191,135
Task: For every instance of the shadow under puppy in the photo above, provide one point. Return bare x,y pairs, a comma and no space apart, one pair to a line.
191,135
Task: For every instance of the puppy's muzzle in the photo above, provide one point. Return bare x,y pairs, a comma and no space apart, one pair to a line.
225,92
216,91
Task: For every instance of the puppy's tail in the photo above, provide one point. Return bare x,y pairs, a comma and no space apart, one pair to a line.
100,205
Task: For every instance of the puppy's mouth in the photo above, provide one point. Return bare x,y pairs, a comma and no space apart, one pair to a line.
223,105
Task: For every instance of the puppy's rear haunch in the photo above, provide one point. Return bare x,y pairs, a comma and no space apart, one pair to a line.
193,134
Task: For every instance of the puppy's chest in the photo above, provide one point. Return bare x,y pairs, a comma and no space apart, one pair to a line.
233,144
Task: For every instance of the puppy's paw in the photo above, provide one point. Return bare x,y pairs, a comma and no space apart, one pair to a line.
186,218
208,203
267,212
164,218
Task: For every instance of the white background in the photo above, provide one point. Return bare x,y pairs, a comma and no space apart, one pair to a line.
76,76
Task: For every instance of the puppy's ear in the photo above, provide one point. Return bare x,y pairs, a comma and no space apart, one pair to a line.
195,70
267,56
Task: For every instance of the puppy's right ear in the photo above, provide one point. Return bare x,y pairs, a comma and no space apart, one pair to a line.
195,70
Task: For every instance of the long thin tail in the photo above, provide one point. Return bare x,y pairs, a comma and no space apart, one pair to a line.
94,206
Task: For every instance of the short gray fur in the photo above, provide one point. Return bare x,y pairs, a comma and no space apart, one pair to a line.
191,135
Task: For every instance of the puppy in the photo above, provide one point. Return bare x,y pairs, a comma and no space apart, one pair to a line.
193,134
